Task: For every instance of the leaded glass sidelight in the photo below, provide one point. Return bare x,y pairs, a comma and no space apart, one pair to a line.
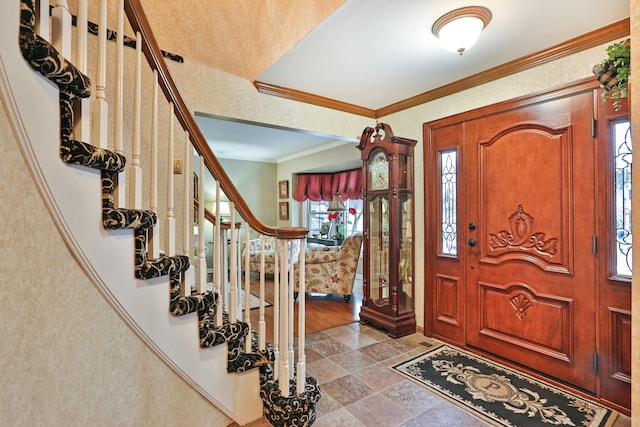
449,201
622,190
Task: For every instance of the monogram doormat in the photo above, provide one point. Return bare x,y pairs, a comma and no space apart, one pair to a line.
499,395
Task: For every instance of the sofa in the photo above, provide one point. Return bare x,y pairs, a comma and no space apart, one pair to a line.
269,254
331,270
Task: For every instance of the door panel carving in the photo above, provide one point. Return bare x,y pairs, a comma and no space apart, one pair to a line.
527,164
519,317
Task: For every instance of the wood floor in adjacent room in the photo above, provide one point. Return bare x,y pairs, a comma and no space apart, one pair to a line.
322,311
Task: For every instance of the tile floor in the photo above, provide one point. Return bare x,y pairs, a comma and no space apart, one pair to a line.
351,364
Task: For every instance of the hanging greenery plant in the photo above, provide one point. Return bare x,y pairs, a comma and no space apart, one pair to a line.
613,72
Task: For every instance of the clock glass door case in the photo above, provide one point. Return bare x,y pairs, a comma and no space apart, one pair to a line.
379,250
388,246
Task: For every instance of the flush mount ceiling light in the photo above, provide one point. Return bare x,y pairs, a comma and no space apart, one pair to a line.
460,29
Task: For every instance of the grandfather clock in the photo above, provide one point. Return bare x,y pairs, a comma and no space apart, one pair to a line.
389,293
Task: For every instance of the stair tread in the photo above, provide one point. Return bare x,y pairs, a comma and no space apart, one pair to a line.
81,153
121,218
162,266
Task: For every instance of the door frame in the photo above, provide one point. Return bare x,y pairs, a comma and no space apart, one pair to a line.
432,227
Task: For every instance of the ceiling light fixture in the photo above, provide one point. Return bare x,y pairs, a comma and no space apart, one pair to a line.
460,29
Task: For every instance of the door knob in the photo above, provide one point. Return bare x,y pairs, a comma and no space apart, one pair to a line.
472,226
472,242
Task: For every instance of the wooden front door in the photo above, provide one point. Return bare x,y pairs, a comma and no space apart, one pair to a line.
531,272
521,283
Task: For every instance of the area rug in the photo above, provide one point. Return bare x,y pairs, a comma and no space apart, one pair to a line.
254,301
499,395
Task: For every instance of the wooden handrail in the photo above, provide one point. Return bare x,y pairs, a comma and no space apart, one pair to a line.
139,23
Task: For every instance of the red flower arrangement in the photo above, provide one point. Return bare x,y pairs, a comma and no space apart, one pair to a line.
337,219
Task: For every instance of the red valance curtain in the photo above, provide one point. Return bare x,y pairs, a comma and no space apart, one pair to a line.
323,186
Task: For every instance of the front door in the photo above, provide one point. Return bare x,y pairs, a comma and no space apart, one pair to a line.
525,258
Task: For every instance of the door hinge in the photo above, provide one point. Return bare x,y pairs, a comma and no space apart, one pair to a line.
594,124
595,362
594,244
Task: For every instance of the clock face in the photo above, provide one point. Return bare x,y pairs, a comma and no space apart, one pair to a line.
379,172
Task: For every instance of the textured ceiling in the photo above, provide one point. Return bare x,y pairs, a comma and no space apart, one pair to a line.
240,37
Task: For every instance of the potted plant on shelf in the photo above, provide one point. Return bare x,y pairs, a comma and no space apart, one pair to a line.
613,72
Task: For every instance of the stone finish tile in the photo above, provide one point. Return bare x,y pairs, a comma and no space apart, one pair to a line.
330,347
316,337
377,334
412,397
326,405
378,411
378,376
338,331
310,354
411,342
622,421
351,364
356,326
380,351
445,414
352,360
356,340
339,418
403,357
346,390
417,340
325,370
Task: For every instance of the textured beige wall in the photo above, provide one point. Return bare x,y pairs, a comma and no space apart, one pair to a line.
68,359
257,183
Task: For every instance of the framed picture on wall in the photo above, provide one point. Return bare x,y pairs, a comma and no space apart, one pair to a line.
283,209
283,189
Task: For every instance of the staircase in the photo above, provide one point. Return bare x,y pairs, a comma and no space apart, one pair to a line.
287,396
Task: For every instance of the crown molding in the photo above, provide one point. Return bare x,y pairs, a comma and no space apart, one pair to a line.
577,44
309,98
561,50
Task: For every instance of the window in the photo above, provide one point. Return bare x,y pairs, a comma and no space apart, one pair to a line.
622,163
346,223
449,200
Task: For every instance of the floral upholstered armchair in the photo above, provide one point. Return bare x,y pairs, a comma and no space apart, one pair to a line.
332,270
269,254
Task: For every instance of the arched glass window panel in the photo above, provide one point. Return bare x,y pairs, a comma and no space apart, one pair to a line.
622,189
449,202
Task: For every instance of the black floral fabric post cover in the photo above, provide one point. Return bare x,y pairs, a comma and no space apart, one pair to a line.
121,218
80,153
45,59
295,410
149,268
179,305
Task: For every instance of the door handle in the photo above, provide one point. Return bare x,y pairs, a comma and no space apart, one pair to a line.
472,226
472,242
